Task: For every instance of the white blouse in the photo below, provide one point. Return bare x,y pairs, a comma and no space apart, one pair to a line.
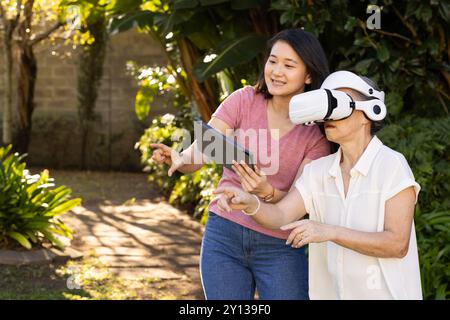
336,272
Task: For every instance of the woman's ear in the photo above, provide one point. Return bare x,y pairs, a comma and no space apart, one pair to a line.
365,120
308,79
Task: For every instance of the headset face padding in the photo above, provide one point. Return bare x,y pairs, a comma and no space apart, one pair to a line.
374,109
325,104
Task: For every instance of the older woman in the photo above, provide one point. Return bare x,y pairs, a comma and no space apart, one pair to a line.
361,203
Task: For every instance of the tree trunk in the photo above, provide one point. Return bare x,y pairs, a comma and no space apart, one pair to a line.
7,101
27,69
202,94
26,82
26,78
89,75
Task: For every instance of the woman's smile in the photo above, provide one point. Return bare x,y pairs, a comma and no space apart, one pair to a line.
278,83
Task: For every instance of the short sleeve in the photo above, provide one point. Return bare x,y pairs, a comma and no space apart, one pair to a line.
303,186
319,146
402,178
230,110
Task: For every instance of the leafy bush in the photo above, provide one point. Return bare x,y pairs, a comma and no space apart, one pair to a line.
157,82
193,191
161,130
154,82
425,144
409,55
29,205
197,189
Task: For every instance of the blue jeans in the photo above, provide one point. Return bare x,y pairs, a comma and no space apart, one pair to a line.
235,260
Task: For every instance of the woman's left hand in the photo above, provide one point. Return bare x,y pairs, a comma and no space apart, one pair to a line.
306,231
254,182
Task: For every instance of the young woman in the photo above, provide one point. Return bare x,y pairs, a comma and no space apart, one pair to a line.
361,204
237,254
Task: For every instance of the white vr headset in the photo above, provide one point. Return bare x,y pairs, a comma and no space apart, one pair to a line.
327,103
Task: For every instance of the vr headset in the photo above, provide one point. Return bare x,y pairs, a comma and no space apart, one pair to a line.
327,103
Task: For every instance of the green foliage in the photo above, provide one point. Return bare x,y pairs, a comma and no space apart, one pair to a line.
29,205
196,189
230,54
167,129
156,82
408,56
230,31
425,144
193,191
161,130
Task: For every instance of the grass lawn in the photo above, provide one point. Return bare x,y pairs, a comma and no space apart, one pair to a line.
84,279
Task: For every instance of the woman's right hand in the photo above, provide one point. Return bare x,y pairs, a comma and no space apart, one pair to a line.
163,154
232,198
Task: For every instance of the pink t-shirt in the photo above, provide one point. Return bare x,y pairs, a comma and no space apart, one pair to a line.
280,158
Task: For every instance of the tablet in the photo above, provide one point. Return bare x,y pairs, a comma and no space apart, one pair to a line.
222,149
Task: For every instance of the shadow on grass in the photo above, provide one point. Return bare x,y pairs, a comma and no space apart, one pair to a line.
35,282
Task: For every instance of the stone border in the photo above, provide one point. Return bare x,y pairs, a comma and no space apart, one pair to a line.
39,256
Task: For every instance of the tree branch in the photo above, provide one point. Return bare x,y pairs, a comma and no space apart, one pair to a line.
363,26
408,25
12,23
26,21
45,34
19,10
393,34
446,76
444,106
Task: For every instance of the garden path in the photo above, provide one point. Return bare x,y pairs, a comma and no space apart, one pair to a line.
133,231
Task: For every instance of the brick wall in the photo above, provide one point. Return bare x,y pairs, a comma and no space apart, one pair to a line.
55,136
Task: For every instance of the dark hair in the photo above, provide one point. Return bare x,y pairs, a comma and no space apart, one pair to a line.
308,49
